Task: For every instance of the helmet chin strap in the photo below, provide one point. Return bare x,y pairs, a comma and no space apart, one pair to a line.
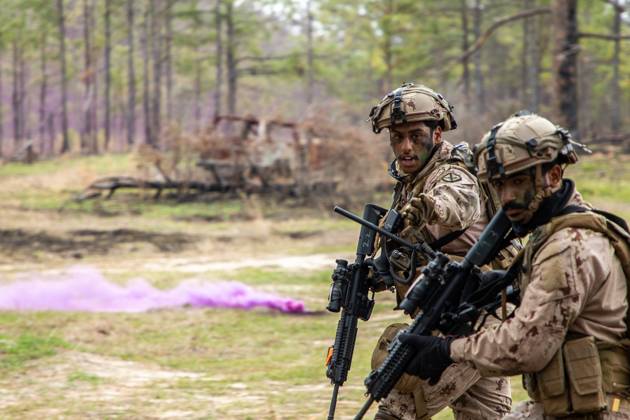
542,190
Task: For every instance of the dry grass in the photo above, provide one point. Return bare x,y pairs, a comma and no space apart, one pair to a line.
187,362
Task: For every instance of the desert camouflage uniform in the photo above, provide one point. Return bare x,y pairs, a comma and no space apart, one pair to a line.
575,286
451,199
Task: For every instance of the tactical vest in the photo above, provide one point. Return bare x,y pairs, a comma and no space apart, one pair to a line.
457,157
584,369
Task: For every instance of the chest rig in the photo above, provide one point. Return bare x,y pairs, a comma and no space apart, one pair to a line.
585,370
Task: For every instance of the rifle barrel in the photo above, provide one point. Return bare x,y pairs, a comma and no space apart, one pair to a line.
333,403
423,247
365,408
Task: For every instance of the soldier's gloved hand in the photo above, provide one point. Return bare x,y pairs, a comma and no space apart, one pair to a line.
379,277
490,277
417,211
432,358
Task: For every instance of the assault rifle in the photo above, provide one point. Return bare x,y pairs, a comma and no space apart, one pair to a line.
350,291
436,296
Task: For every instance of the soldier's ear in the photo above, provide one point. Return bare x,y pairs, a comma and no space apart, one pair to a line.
437,135
554,176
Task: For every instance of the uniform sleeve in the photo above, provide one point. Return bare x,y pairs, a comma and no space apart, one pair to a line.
452,198
552,301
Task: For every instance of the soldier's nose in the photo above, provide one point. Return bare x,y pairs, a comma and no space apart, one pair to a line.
505,195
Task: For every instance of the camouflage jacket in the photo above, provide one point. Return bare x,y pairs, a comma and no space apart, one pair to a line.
450,193
574,284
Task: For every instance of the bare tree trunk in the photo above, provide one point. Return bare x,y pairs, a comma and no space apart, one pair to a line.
564,17
43,93
480,91
94,114
309,54
88,95
50,125
131,77
168,58
219,54
465,46
615,112
197,88
388,34
108,75
533,80
525,54
197,81
1,107
230,57
148,131
156,38
25,128
65,146
15,95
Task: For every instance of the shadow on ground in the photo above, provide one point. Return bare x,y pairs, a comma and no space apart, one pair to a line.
78,243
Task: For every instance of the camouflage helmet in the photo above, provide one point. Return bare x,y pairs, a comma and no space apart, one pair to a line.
520,142
411,103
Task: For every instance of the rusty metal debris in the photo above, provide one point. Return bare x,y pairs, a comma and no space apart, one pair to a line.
251,155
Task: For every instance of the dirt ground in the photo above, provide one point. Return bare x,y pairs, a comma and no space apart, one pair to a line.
78,383
185,362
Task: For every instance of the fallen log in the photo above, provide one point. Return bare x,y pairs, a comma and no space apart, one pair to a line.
112,184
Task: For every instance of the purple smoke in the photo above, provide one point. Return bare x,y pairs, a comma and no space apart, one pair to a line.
85,289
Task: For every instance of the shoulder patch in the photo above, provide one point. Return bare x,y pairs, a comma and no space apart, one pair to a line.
451,177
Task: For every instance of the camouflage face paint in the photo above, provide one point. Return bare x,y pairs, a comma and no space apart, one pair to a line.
412,144
517,194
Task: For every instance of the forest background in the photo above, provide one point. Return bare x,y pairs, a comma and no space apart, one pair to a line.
106,75
118,89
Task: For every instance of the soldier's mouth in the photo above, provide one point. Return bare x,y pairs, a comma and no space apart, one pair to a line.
407,158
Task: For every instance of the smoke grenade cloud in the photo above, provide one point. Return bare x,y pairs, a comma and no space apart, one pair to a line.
85,289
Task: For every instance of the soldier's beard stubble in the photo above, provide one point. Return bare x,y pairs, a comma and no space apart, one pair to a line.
413,161
520,210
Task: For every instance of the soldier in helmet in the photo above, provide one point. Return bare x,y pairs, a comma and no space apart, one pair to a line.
569,335
441,203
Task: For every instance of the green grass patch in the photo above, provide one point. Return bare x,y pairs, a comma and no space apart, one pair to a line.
79,376
14,352
102,164
255,276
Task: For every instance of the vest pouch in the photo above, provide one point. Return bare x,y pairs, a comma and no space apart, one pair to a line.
531,386
615,367
552,387
585,375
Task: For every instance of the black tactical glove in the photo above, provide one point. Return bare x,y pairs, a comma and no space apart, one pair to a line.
490,277
432,358
379,275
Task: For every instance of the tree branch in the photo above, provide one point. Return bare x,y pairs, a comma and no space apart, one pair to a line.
603,36
496,25
268,58
616,5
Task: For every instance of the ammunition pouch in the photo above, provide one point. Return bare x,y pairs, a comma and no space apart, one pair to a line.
579,376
